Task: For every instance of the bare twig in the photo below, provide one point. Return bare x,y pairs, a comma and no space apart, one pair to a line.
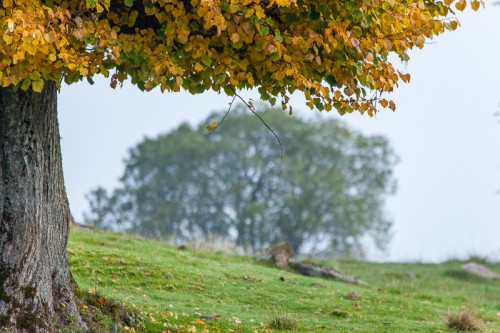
252,109
225,115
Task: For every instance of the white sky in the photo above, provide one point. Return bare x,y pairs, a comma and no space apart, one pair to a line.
444,131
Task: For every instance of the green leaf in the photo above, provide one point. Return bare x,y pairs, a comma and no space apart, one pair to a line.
357,14
221,78
351,6
25,84
357,31
200,89
277,36
206,60
129,3
275,56
331,81
291,18
229,90
270,22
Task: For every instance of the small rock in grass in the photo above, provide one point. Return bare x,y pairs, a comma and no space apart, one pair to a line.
481,271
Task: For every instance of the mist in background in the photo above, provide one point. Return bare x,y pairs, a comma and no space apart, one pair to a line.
444,130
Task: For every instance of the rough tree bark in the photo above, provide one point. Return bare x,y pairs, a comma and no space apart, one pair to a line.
36,289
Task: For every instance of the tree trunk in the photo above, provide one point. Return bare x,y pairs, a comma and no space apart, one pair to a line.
36,290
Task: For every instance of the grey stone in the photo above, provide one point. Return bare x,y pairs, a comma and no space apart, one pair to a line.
481,271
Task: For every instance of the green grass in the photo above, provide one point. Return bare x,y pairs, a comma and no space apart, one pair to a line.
175,290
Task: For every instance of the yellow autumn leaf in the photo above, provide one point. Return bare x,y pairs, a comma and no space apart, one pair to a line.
249,13
461,5
235,37
283,3
387,44
5,81
31,49
18,56
8,39
259,12
475,5
199,67
182,38
369,57
250,79
179,80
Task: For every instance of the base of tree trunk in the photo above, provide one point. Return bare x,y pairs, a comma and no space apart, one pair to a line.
37,293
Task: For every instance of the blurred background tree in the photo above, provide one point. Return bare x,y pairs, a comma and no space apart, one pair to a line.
327,196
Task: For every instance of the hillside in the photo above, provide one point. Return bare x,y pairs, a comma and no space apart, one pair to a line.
167,289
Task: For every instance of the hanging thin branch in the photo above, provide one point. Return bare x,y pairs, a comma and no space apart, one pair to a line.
223,118
252,109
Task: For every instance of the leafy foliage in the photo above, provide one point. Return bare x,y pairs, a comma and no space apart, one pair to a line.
329,190
335,52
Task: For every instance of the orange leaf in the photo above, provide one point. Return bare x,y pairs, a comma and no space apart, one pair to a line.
475,5
461,5
392,106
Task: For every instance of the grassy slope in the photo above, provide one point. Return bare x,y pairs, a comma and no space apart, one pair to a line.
163,282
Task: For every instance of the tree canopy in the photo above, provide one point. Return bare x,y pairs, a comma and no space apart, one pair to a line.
335,52
328,194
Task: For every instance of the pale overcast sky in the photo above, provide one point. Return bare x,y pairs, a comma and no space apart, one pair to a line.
444,131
